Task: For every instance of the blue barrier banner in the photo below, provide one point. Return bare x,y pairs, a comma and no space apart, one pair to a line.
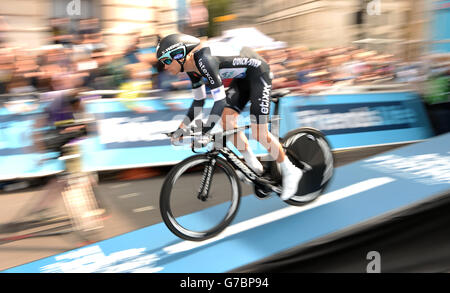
127,139
356,120
18,157
15,134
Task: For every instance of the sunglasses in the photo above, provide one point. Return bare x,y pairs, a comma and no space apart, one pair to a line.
173,55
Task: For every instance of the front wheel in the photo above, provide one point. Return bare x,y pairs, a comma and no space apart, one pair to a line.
308,149
200,197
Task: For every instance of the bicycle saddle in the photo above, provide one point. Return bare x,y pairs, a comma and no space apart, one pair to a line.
276,94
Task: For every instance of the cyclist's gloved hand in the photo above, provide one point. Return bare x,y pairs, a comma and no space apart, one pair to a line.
202,140
177,134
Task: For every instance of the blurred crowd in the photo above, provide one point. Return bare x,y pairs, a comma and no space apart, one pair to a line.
311,71
77,57
315,69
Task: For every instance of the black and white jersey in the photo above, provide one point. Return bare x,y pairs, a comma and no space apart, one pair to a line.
221,61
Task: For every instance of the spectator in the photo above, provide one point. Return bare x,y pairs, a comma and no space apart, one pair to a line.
198,18
89,30
4,28
62,32
7,68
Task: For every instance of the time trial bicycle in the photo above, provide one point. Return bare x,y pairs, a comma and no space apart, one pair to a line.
200,211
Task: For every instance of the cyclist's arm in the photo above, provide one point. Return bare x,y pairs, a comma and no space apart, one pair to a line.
209,67
199,90
214,115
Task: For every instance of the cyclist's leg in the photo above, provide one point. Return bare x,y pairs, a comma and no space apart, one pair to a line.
237,98
261,133
229,121
259,114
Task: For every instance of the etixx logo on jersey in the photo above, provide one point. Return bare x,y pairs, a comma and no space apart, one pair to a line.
205,71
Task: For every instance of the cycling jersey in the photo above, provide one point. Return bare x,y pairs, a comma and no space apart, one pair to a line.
251,80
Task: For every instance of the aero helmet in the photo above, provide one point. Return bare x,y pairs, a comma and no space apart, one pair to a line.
175,47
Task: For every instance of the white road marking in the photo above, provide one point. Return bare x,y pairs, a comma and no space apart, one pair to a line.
120,185
143,209
128,195
282,213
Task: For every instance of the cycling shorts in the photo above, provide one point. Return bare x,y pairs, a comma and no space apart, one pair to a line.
253,88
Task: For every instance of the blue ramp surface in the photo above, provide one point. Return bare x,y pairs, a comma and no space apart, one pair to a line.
359,192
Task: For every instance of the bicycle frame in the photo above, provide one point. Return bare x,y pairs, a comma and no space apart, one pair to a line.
240,165
235,161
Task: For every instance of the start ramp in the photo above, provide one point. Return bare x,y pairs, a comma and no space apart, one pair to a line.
360,195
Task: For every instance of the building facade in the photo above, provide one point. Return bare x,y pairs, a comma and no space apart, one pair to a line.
398,25
312,23
27,21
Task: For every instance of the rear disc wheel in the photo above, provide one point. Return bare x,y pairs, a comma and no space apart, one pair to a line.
308,149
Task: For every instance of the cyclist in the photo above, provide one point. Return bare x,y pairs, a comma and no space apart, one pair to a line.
251,81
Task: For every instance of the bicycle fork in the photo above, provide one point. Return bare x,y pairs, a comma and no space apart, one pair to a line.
205,184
